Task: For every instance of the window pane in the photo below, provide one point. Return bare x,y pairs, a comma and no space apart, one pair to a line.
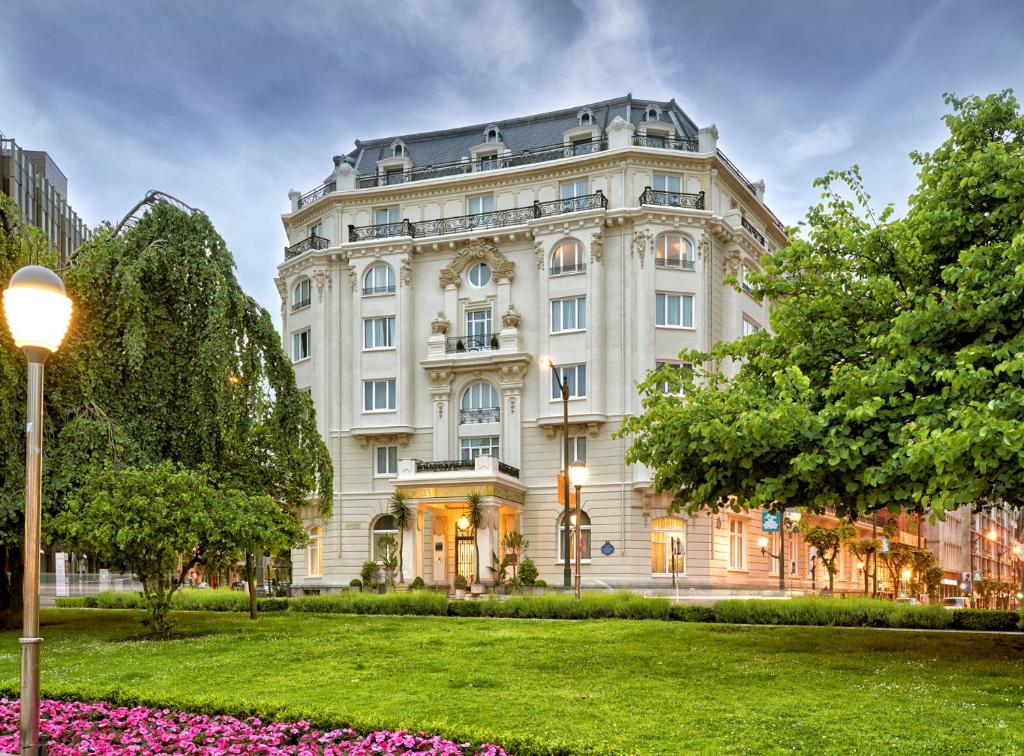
659,309
367,334
368,395
391,394
687,312
581,377
582,314
556,316
672,317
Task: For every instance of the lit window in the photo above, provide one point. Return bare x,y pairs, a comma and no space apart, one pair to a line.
737,545
584,536
379,279
568,314
379,396
673,310
567,257
301,295
479,404
379,333
575,378
674,251
668,545
300,345
480,275
385,461
471,448
385,538
315,553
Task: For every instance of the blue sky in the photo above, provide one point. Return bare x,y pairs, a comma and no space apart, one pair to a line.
228,105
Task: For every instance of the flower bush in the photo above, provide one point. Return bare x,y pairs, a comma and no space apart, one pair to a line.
103,728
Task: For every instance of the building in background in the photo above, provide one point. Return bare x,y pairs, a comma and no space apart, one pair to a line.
40,189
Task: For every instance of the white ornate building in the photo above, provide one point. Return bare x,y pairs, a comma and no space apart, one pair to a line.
429,275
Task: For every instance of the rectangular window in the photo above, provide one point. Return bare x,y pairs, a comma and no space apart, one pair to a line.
744,283
571,192
385,215
737,545
749,326
300,345
483,203
569,314
673,310
675,386
393,176
385,461
379,396
471,448
583,146
665,183
773,561
478,323
489,162
574,376
317,229
379,333
577,450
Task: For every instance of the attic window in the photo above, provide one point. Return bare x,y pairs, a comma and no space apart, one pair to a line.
585,117
398,150
653,113
492,135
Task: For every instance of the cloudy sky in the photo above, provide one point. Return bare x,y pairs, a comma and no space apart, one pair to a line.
228,105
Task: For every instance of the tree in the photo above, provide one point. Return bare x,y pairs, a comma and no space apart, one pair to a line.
866,550
390,560
828,543
476,513
515,546
892,375
403,519
898,558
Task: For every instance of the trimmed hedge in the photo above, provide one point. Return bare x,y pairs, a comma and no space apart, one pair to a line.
833,612
985,619
687,613
412,602
212,600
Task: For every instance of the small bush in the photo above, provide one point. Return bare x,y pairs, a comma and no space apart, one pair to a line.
528,572
272,604
417,584
413,602
540,583
369,572
211,600
834,612
985,619
76,602
691,613
467,608
355,583
116,600
460,583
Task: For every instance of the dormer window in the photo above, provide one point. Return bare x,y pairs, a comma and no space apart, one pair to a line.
585,117
652,113
398,150
492,134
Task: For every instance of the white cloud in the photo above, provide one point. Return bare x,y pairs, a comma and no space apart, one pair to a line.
827,139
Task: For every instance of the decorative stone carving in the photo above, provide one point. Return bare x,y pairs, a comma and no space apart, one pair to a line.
477,250
440,410
642,240
441,378
439,326
512,318
322,280
282,289
538,249
597,247
405,274
365,439
346,264
704,245
512,373
732,262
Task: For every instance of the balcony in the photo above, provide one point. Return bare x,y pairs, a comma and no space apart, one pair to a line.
481,415
314,195
680,264
753,231
313,242
495,219
461,167
684,144
672,199
452,465
373,291
476,342
564,270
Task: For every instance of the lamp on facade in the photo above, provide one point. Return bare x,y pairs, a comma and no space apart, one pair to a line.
547,363
38,312
578,475
462,522
992,534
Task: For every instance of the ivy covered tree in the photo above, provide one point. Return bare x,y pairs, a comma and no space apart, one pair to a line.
892,375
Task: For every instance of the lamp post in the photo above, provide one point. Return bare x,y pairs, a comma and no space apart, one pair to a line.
578,474
38,312
564,388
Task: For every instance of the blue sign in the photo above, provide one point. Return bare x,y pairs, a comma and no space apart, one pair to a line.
607,549
770,521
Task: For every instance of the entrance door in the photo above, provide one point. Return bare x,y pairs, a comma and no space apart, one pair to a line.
465,556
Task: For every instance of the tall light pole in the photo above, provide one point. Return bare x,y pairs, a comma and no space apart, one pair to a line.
578,473
38,312
564,387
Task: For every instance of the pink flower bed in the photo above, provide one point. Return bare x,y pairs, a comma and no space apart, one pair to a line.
102,728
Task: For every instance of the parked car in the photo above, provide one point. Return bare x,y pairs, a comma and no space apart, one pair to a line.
955,602
909,600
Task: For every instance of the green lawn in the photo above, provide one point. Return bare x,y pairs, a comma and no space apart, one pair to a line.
642,686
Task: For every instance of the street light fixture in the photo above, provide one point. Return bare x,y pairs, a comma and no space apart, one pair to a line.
38,312
564,388
578,475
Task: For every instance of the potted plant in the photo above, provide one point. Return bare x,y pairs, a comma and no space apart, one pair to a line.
494,341
460,586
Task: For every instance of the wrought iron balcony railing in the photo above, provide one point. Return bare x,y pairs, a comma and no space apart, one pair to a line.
560,270
494,219
476,342
313,242
489,163
451,465
369,291
672,199
481,415
664,262
508,469
753,231
686,144
315,194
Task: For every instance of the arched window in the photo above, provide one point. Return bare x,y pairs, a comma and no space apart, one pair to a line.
385,538
398,150
567,257
301,295
653,113
585,117
668,545
315,553
674,251
379,279
584,535
479,404
492,135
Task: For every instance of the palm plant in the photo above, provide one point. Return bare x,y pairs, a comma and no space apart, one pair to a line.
475,513
403,519
515,545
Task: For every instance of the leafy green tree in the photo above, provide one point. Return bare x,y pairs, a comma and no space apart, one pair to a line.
898,558
390,559
403,519
515,546
892,374
829,543
866,550
476,513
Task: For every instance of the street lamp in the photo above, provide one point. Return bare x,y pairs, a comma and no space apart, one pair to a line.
564,388
578,475
38,313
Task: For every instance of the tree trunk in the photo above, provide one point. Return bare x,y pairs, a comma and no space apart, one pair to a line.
401,548
250,579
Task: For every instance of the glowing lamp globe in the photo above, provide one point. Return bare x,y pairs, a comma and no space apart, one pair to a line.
37,308
578,474
762,542
463,523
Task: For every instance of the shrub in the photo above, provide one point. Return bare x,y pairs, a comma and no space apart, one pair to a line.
528,572
412,602
369,572
210,600
834,612
76,602
691,613
116,600
467,608
985,619
272,604
417,584
590,606
540,583
355,583
460,583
